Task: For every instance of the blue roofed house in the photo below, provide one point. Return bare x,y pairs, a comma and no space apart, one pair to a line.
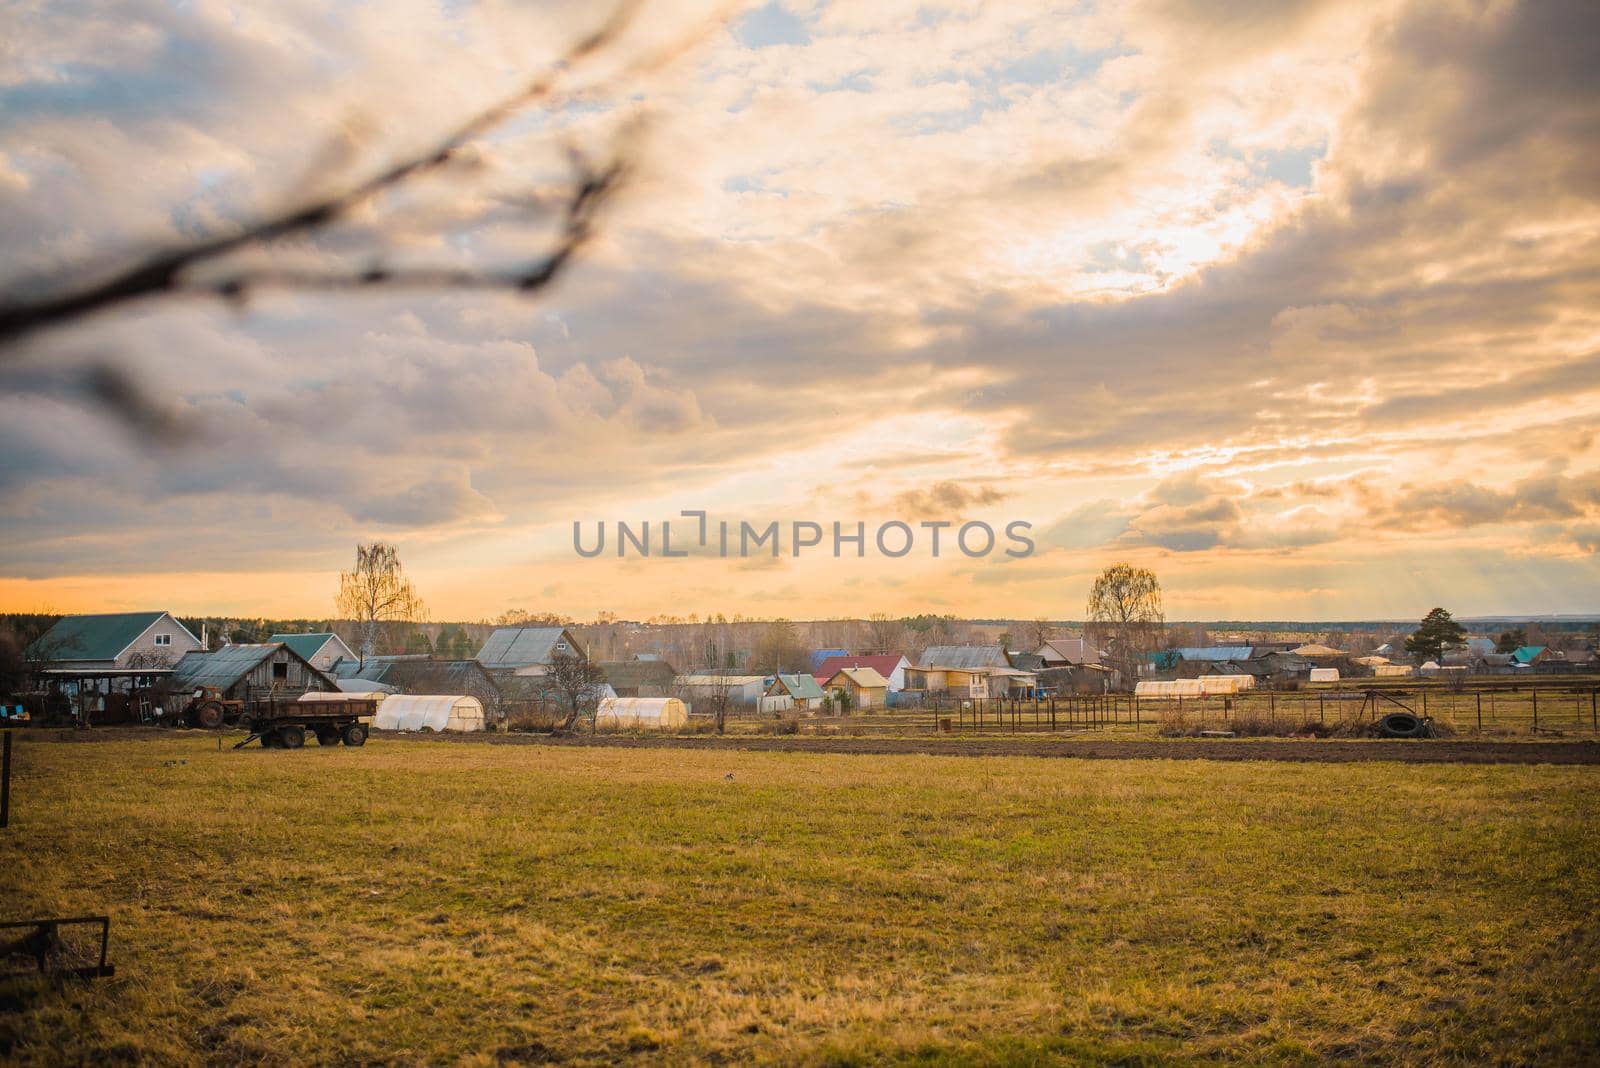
819,655
322,649
113,641
1529,655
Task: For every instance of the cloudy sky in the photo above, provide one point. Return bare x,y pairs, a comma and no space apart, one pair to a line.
1296,303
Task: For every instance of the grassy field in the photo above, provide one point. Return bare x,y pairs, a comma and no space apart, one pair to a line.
429,902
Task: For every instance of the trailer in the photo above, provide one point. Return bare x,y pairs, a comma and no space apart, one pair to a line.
332,718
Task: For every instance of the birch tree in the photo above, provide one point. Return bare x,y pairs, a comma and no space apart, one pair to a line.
376,591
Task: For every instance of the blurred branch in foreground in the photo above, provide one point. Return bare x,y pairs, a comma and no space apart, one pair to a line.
178,270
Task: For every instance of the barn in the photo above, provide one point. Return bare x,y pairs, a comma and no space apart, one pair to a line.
250,672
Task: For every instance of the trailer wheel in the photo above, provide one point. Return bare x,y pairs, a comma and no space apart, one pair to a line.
208,715
355,734
292,737
328,736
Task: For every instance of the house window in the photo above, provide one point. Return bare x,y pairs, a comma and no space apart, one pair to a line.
561,647
280,670
163,639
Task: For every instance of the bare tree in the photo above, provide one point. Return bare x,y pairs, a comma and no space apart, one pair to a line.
1035,634
232,263
577,684
1125,613
779,649
885,634
376,591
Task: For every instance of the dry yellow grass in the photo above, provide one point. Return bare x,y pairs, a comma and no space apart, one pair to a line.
434,902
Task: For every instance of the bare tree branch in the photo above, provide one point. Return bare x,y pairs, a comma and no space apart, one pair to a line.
168,271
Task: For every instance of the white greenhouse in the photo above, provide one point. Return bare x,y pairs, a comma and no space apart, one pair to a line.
436,712
646,713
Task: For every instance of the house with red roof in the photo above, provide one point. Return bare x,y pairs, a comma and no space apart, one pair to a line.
892,666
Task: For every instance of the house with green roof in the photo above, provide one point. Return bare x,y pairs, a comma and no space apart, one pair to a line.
109,641
1529,655
803,689
320,649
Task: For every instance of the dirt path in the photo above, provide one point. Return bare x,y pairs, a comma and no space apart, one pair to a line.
1323,751
1302,750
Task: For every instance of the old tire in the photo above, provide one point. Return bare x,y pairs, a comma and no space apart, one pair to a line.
269,740
1402,725
291,737
208,715
355,734
328,736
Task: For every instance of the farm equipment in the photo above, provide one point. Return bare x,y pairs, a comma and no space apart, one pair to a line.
209,709
331,718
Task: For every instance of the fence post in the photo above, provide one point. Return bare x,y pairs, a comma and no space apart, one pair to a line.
1535,692
1479,696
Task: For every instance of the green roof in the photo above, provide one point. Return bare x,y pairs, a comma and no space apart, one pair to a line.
801,686
93,637
1527,654
304,645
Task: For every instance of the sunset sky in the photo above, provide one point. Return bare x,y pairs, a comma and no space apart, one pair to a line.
1296,303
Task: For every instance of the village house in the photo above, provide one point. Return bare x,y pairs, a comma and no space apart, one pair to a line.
804,691
1529,655
1067,652
322,649
526,650
864,686
968,671
741,691
250,673
892,666
112,641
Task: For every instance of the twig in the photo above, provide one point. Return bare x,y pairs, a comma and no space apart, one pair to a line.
164,272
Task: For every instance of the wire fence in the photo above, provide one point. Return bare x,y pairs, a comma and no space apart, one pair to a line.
1545,709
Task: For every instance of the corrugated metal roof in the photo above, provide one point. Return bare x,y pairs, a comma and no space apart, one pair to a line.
220,668
1216,652
513,647
1527,654
801,686
92,637
819,655
963,657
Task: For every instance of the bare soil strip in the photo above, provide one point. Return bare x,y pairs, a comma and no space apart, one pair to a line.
1306,751
1319,751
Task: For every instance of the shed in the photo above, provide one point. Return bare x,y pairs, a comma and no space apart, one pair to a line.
647,713
435,712
867,688
246,672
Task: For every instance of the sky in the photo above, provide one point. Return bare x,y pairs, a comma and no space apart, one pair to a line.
1295,303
